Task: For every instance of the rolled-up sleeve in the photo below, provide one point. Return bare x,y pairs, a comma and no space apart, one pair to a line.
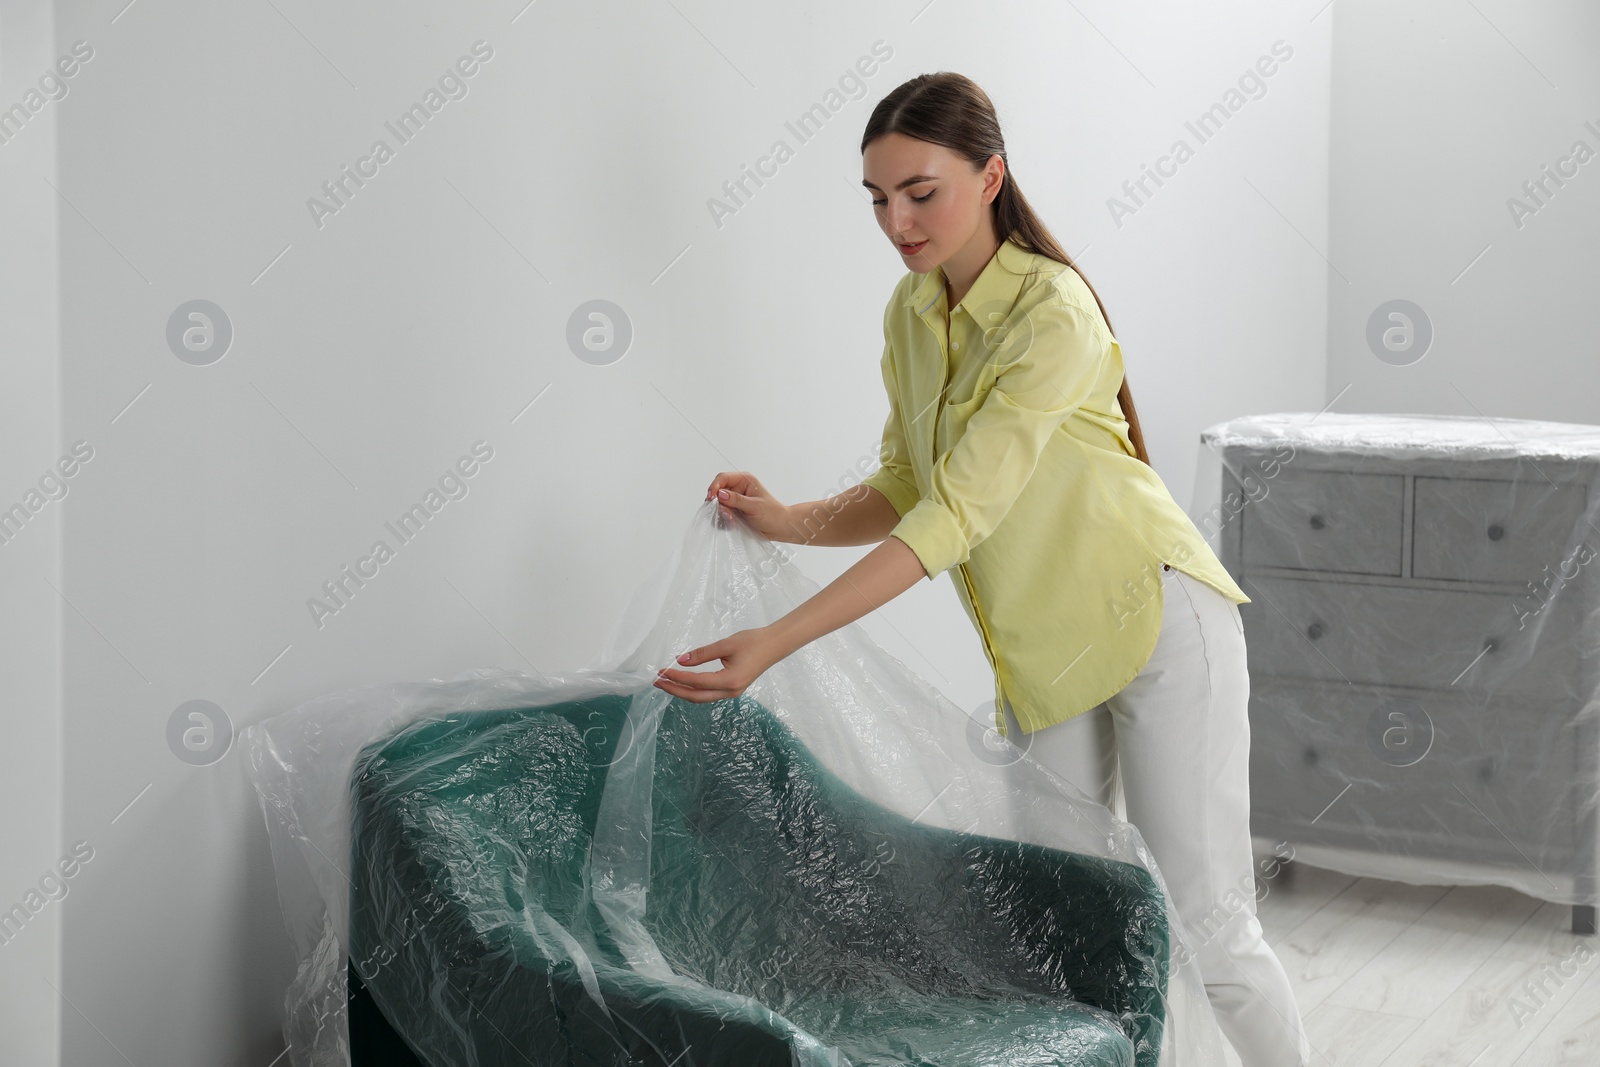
893,478
1046,373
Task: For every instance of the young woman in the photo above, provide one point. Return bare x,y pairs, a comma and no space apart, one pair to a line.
1012,456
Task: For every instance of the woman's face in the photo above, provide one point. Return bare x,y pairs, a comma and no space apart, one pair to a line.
927,199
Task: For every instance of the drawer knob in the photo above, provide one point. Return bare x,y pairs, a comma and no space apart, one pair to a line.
1315,630
1317,522
1496,532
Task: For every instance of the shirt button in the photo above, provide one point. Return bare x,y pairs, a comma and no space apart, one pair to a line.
955,344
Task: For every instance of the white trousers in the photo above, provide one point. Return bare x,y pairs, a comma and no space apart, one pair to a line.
1177,740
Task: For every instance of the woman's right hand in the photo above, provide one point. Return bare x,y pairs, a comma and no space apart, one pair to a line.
740,493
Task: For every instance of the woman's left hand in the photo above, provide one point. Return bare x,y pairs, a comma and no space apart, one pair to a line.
744,655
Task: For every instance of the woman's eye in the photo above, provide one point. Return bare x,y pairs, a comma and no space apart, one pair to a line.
918,199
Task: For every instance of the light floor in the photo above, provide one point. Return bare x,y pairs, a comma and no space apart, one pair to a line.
1396,975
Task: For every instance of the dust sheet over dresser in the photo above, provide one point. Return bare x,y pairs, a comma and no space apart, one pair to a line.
1422,640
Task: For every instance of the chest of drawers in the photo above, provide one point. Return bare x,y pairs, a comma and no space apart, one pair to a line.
1424,643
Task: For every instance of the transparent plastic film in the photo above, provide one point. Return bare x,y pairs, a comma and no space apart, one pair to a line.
1422,640
583,869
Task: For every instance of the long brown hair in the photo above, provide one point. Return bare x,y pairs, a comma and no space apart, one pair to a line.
950,109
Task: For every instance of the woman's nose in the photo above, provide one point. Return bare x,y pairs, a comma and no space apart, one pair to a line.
898,219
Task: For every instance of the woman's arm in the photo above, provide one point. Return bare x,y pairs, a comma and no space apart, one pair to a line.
861,515
872,581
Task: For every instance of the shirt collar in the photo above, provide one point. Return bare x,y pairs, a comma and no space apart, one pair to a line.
1000,280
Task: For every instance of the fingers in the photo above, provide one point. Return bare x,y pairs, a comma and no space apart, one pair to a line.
698,696
700,687
718,679
722,481
742,482
709,680
703,654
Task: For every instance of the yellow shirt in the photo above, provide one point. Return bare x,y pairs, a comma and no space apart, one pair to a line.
1007,457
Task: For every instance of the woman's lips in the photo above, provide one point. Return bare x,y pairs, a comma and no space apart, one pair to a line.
909,250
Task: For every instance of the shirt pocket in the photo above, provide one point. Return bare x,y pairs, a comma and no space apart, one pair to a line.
953,417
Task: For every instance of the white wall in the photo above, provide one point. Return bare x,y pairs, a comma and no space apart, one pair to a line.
430,312
1442,111
34,500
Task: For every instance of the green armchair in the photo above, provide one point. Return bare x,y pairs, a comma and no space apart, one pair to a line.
803,924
